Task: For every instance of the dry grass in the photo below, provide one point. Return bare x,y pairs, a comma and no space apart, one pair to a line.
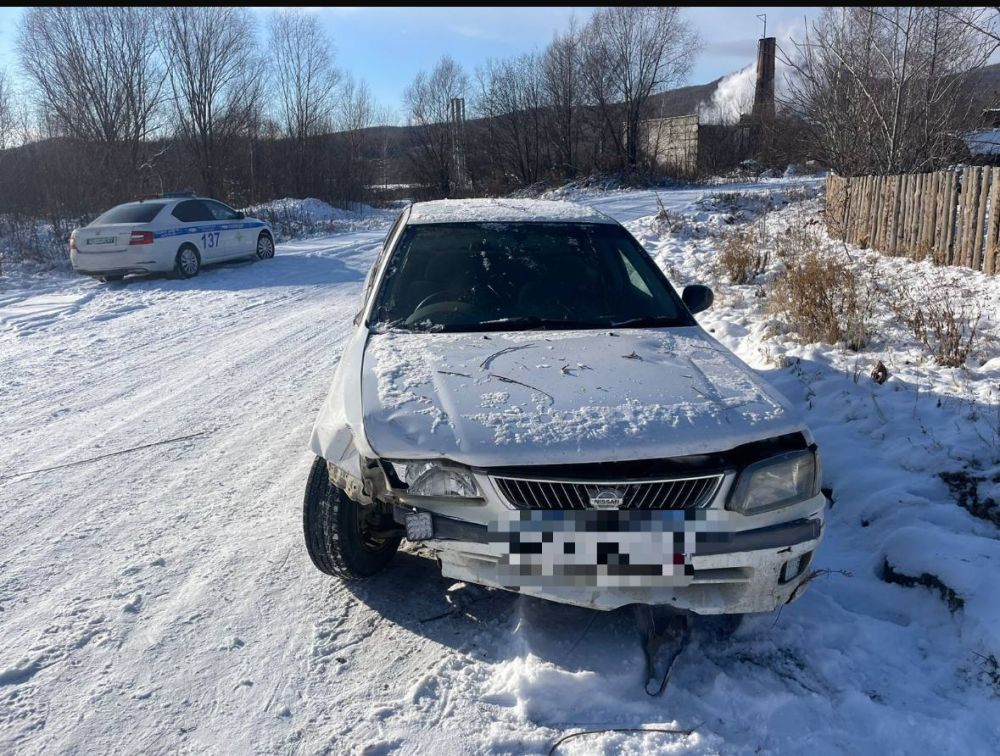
947,330
744,256
668,220
803,235
825,300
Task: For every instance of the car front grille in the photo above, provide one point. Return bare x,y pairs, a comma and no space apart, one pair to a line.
681,493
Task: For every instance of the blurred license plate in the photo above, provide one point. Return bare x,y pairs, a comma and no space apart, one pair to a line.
595,547
101,240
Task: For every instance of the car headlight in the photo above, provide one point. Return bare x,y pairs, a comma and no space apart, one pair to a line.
777,482
430,478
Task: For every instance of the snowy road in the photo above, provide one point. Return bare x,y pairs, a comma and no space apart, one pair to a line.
161,601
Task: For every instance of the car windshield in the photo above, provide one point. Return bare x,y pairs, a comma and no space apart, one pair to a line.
133,212
522,276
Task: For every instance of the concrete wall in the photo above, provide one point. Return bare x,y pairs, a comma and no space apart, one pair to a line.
670,144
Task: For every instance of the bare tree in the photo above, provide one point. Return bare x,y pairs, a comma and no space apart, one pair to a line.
216,77
355,117
96,72
512,95
387,147
302,59
563,93
629,54
7,117
428,102
883,89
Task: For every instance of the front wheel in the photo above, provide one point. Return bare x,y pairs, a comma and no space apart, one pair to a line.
265,247
341,535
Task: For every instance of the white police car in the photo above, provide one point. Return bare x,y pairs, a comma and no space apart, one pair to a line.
171,232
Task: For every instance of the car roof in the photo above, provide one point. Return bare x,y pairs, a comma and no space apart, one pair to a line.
168,199
504,211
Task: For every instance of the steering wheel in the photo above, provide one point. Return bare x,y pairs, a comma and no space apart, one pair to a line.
437,296
437,302
451,306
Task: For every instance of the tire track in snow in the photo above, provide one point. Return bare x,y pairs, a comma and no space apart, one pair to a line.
198,587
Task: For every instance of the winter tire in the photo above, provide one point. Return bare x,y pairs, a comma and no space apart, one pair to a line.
265,247
336,531
187,264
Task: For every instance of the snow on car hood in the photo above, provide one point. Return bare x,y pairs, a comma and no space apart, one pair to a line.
545,397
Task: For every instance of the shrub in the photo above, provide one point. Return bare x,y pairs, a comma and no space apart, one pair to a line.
292,222
666,219
947,331
825,300
39,244
743,257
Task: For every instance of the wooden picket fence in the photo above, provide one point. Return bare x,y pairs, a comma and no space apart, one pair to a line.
951,217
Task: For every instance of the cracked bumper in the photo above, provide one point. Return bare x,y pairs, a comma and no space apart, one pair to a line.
740,572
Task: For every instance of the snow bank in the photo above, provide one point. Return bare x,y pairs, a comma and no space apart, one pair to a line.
887,446
293,218
314,210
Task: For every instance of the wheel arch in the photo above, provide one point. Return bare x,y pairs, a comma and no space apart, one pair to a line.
194,246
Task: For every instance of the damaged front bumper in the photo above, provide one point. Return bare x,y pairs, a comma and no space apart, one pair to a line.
700,562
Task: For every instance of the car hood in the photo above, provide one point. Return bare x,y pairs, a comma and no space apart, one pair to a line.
562,396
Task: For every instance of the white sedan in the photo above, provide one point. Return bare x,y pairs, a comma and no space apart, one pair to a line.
171,232
526,394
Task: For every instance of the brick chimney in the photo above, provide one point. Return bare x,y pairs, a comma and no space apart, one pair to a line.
763,95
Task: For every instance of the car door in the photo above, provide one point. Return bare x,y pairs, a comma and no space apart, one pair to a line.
233,237
199,226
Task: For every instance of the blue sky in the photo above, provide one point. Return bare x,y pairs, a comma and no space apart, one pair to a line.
387,46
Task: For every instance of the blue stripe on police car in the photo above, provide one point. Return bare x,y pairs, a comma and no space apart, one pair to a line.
185,230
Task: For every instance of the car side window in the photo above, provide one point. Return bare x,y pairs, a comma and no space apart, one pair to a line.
192,211
220,212
633,275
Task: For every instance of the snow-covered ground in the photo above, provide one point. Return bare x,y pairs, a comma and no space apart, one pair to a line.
161,600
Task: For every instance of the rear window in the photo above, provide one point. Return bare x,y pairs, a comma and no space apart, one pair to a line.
133,212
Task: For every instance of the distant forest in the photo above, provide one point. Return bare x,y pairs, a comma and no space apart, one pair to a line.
122,102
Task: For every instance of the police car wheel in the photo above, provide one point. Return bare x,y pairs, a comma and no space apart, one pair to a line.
265,247
187,263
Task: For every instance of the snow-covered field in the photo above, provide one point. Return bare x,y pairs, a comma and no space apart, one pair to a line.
161,601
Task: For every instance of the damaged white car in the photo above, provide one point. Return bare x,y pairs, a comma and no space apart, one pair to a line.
526,394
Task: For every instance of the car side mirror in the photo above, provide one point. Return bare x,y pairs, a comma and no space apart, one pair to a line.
240,215
697,298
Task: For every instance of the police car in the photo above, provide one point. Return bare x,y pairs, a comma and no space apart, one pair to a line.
170,232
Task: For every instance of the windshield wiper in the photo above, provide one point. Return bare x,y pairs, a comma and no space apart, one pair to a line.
526,323
400,324
649,321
